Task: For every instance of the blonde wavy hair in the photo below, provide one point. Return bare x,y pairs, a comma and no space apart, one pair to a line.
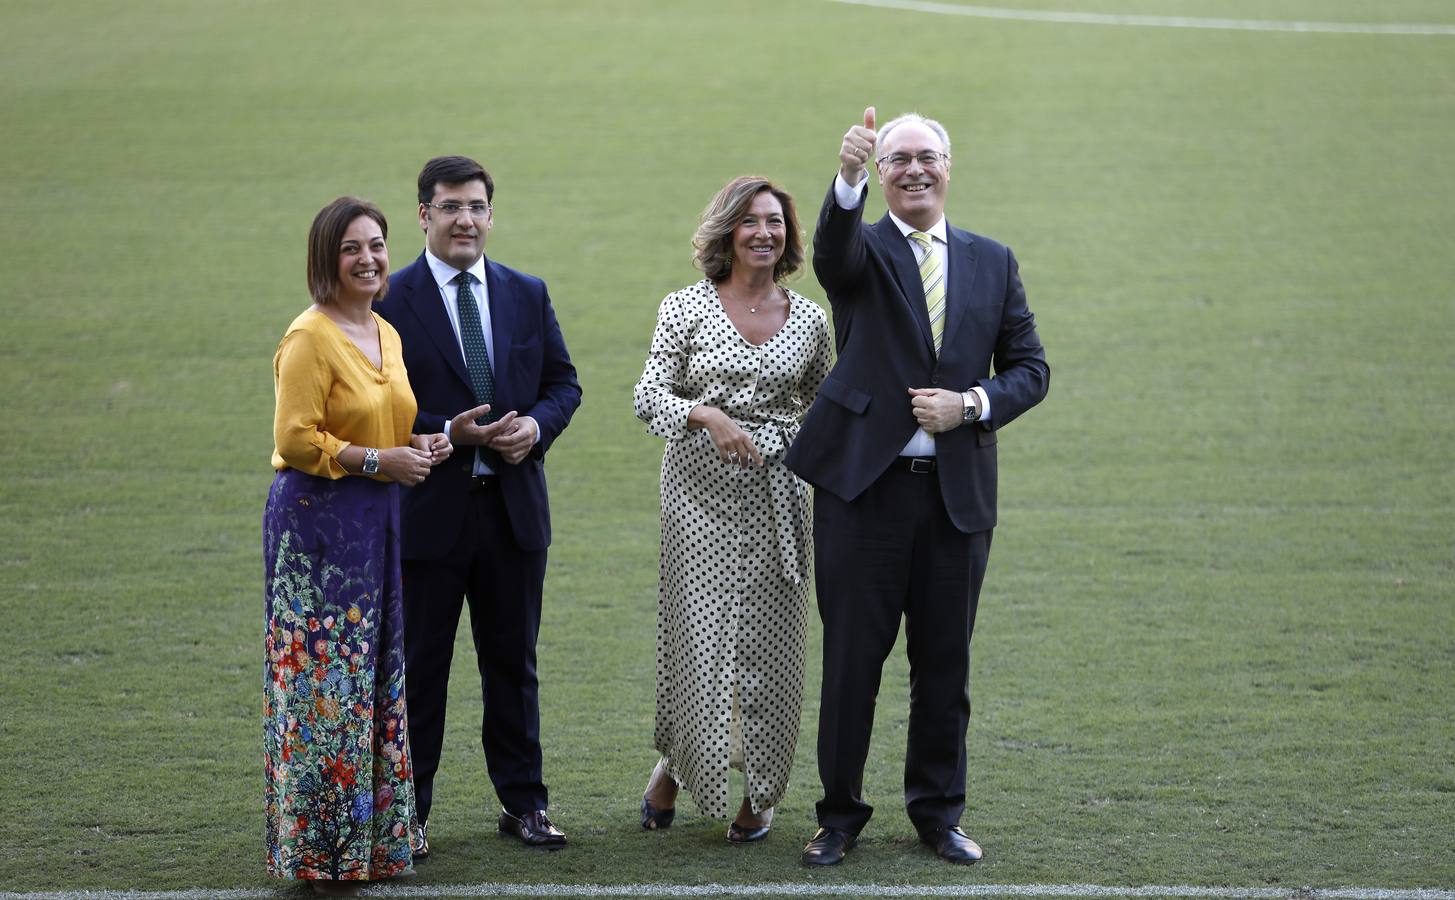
713,242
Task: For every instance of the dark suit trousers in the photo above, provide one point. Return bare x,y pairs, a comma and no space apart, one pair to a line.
893,552
502,584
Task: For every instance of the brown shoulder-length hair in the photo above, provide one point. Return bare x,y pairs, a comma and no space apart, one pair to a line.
324,238
713,241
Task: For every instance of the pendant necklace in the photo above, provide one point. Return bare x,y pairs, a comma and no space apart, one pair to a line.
752,309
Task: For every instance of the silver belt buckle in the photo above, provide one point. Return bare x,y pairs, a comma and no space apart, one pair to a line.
921,466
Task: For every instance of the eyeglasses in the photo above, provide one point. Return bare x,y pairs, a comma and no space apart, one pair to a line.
451,209
929,159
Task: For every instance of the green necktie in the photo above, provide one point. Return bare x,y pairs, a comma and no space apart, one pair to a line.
477,361
932,273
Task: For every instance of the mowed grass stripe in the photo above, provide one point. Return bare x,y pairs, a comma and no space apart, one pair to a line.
781,889
1092,18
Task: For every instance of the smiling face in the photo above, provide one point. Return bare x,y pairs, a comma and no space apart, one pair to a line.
363,260
457,239
759,235
914,192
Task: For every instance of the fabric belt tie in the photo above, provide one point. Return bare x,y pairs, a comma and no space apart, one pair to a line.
792,510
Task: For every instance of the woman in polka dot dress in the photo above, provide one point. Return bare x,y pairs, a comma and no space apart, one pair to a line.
735,361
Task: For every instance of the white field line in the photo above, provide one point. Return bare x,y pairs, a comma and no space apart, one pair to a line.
1078,18
787,889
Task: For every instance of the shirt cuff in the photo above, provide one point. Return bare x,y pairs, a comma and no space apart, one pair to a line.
982,403
849,196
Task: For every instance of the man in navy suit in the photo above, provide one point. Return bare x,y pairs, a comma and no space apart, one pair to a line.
900,446
489,368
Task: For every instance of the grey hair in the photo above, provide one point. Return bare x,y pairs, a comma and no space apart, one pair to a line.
906,118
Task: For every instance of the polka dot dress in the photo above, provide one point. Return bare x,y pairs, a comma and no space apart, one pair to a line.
733,589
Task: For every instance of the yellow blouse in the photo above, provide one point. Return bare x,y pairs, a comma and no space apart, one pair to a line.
329,396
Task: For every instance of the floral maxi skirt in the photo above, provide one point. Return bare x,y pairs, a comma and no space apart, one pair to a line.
338,785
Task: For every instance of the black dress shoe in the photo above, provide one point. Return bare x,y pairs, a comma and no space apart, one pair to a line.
533,829
952,845
653,818
419,843
827,847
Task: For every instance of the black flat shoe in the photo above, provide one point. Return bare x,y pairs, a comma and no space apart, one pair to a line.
748,834
737,834
419,843
827,847
654,819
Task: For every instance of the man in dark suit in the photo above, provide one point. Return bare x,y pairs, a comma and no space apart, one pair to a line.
489,368
900,446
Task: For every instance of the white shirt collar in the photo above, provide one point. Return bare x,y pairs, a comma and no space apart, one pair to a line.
936,231
444,273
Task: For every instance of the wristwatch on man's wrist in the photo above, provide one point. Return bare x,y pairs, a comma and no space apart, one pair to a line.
972,412
371,461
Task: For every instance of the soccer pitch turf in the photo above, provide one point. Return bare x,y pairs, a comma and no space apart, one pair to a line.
1218,619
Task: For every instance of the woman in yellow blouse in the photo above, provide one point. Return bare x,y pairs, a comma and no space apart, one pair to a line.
338,790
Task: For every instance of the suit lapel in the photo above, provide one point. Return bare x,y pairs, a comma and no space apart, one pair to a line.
425,301
502,324
961,258
906,272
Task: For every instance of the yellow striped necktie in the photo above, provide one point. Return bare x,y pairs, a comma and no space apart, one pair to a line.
932,273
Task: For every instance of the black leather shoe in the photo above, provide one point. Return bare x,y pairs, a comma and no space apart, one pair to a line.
419,843
533,829
952,845
653,818
827,847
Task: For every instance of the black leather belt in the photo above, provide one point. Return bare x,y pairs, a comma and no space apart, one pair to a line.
919,465
482,482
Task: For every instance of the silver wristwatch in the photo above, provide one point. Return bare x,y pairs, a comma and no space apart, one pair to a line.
972,413
371,461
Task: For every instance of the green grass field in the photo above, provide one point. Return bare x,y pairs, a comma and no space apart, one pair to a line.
1218,623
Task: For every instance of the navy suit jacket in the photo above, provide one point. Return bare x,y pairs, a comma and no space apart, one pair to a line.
533,376
862,417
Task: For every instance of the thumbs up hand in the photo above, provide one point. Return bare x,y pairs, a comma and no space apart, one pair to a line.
857,149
